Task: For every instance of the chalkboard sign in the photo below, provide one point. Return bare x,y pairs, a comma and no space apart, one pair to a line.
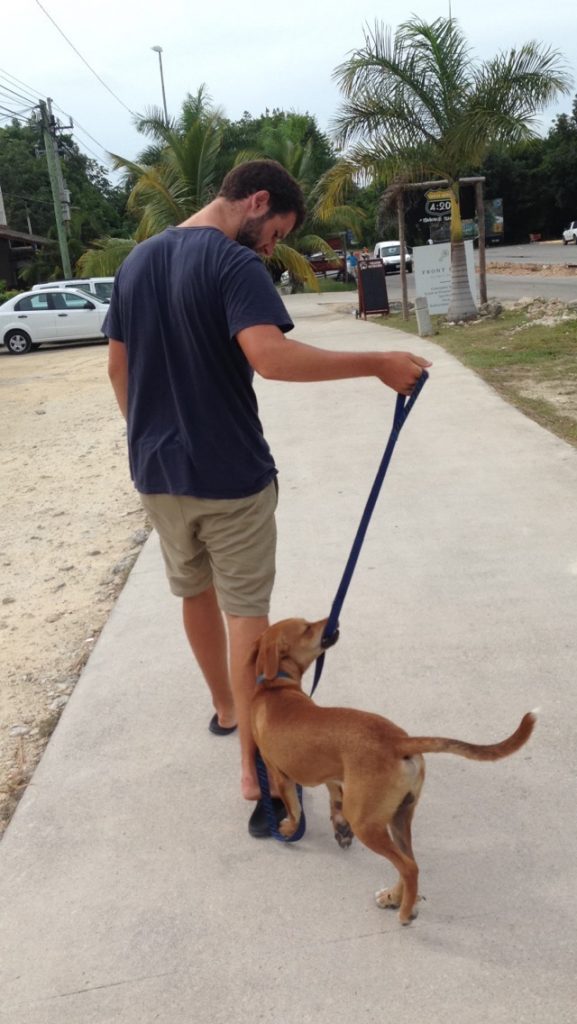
372,287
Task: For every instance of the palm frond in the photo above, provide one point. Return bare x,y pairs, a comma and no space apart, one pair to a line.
105,256
299,268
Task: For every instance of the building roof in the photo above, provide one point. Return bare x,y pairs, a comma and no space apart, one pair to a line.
23,236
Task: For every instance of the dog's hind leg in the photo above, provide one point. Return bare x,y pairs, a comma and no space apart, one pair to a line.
400,830
376,836
343,831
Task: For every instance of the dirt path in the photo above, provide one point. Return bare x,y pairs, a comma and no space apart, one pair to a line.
70,528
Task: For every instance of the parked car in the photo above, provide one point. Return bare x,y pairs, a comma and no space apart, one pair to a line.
570,235
64,314
390,253
99,286
321,264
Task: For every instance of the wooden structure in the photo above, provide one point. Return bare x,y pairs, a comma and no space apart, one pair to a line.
16,249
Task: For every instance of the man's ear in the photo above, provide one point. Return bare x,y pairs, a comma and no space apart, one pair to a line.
259,202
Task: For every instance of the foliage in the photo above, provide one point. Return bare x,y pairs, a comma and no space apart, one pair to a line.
6,293
97,207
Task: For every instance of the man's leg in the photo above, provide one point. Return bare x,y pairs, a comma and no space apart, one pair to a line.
204,627
242,633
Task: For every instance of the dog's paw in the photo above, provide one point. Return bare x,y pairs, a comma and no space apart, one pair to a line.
344,834
412,917
287,828
388,899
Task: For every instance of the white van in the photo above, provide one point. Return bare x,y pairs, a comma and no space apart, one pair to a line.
99,286
390,254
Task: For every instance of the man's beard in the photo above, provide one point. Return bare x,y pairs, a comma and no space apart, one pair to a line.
250,232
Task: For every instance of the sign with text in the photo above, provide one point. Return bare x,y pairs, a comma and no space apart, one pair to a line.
432,268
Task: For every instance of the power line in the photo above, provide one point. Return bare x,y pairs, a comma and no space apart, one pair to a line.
77,125
11,92
84,131
14,113
83,59
29,88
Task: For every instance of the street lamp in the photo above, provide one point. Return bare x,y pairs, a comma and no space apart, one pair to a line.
158,50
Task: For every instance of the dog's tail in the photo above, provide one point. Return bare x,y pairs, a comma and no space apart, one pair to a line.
410,745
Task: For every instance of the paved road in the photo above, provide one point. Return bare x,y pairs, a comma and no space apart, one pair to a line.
509,288
506,287
539,252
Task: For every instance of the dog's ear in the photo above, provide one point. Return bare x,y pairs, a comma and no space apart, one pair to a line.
270,648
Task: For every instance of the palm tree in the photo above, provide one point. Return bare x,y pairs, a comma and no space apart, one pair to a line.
181,171
286,144
418,105
177,175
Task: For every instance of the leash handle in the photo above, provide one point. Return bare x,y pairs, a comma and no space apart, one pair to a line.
402,409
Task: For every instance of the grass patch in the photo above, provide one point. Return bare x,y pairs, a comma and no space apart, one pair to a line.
329,284
532,365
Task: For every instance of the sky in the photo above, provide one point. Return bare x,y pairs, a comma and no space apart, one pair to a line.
250,56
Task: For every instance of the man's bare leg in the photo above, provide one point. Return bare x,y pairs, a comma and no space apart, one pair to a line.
242,633
206,633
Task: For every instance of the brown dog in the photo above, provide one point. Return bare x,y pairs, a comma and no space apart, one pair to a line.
373,770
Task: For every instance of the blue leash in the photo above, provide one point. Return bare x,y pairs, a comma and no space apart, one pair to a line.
402,409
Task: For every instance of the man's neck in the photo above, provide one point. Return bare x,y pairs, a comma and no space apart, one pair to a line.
220,214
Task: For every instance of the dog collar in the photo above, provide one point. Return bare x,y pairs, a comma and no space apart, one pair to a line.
280,675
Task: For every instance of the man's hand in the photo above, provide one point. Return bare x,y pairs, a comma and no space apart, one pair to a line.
401,370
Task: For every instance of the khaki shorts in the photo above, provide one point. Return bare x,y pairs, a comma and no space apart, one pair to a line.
228,543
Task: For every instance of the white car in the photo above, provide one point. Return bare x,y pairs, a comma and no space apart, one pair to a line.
570,235
99,286
390,254
33,318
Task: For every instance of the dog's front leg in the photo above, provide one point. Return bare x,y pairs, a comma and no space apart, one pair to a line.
343,831
288,794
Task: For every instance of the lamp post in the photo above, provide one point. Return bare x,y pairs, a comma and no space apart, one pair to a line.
158,50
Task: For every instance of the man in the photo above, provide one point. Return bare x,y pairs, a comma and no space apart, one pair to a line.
193,313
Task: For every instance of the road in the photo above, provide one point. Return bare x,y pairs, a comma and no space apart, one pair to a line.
508,287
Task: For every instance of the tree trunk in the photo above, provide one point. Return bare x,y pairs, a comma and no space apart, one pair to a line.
462,305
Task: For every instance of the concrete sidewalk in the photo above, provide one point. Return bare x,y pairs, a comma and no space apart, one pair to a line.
130,891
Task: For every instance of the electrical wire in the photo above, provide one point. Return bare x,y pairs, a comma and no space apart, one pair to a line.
14,113
77,125
29,88
83,59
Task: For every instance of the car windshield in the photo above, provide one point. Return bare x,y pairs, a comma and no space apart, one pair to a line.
390,250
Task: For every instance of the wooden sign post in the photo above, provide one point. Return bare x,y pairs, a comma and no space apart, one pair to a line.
372,287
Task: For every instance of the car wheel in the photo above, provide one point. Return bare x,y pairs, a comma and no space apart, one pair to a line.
409,268
18,342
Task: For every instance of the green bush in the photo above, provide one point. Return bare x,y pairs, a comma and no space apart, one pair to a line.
6,293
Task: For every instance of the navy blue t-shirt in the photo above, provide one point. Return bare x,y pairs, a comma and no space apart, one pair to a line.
178,302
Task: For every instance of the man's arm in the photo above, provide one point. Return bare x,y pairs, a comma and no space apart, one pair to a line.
278,358
118,373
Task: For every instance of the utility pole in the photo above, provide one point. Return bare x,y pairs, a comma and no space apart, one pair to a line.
60,195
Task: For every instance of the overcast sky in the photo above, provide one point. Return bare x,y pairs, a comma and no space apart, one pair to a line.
250,55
